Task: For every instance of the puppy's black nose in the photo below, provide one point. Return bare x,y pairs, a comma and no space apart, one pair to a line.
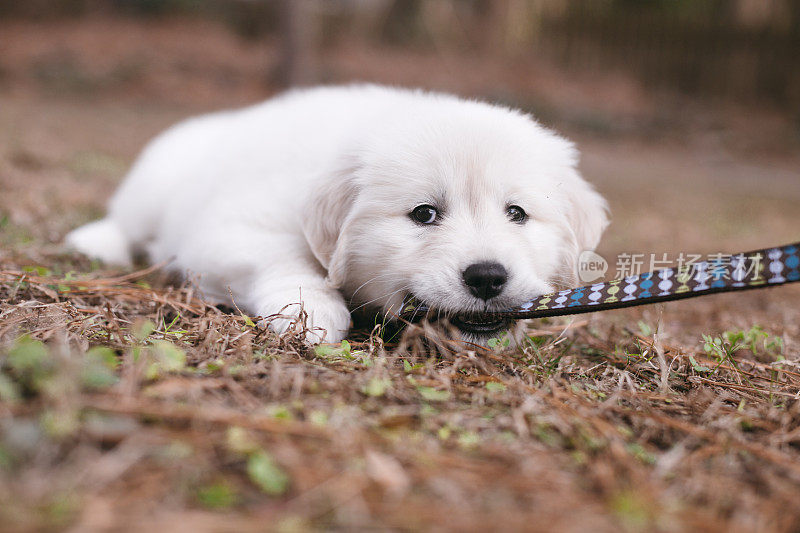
485,280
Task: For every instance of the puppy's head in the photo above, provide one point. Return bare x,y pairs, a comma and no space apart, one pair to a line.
464,206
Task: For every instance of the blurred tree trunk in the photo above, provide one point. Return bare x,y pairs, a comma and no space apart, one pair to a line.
298,64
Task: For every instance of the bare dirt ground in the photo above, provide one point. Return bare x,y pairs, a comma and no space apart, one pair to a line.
127,404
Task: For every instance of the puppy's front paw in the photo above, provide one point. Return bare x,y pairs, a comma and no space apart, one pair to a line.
327,317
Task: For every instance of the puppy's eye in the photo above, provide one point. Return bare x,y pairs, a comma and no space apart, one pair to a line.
424,214
516,214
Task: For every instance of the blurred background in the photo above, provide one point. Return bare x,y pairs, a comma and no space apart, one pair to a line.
687,117
687,112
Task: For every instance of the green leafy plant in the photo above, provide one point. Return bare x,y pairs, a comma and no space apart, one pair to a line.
697,366
433,395
756,340
499,343
376,387
494,386
265,473
164,358
262,469
220,495
718,348
99,367
343,351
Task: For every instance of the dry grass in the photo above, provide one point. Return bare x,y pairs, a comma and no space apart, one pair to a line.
128,403
582,427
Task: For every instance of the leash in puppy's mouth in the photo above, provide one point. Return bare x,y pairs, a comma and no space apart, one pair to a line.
481,324
767,267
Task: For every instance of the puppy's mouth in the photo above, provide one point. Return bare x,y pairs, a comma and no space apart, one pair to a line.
471,324
481,325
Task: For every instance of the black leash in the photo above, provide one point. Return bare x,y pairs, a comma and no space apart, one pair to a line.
725,273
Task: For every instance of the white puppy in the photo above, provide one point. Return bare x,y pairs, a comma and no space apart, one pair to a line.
360,195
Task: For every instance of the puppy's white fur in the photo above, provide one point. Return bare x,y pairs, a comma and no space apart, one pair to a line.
306,197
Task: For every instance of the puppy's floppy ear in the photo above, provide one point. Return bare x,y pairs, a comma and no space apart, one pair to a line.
585,218
588,211
328,216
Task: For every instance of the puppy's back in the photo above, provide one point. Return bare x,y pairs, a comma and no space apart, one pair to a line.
249,163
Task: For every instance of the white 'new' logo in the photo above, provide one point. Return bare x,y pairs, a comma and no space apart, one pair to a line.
591,266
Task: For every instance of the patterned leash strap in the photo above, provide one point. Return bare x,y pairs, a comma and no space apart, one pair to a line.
738,272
